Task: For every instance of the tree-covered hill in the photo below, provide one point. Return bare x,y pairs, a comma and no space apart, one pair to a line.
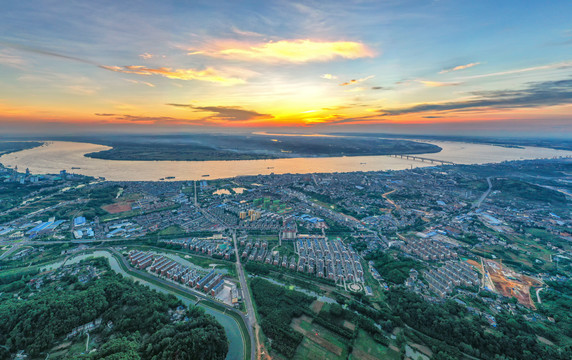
136,322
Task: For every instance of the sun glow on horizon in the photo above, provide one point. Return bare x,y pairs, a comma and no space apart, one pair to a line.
295,66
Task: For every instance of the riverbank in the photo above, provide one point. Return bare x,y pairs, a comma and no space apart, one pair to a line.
58,155
240,347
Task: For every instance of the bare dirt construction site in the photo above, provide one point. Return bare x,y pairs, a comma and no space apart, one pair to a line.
507,282
118,207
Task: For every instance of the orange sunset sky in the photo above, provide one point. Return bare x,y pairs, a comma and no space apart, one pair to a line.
396,66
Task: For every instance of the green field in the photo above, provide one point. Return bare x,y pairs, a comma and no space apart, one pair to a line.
311,349
365,344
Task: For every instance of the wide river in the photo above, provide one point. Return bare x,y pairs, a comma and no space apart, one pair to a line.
54,156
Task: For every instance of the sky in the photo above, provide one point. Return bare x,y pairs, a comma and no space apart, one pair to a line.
442,67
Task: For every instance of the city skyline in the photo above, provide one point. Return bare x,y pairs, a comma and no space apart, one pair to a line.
405,67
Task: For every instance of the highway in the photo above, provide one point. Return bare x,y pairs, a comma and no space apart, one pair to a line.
477,204
250,314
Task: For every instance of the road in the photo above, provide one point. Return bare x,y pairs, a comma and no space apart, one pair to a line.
11,250
251,316
389,200
538,295
477,204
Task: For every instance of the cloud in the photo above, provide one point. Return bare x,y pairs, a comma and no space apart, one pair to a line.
437,83
146,56
559,66
356,81
537,94
80,89
459,67
356,89
328,76
209,74
140,82
339,107
295,51
245,33
40,51
227,113
380,88
149,119
9,59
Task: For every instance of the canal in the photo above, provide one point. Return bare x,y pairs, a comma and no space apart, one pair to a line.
236,348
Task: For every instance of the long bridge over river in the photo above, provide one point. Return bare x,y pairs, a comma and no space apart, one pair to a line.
423,159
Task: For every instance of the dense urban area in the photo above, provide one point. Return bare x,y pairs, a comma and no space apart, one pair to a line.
441,262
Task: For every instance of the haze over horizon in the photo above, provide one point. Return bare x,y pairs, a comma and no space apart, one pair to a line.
411,67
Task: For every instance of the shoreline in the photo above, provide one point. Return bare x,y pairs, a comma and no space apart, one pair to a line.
54,156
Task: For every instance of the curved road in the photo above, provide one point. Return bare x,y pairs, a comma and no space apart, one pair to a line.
538,295
484,196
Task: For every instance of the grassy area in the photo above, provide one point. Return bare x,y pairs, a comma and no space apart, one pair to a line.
312,351
511,189
319,343
364,344
287,248
378,292
545,237
530,247
172,230
324,204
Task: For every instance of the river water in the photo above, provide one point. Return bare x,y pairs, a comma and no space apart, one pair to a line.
54,156
232,329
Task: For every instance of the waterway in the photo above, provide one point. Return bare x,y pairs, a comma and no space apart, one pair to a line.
232,329
54,156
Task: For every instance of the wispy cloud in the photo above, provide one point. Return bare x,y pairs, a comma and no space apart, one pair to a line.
209,74
380,88
140,82
146,56
537,94
40,51
295,51
80,89
227,113
356,89
560,66
459,67
9,59
356,81
328,76
245,33
429,83
148,119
